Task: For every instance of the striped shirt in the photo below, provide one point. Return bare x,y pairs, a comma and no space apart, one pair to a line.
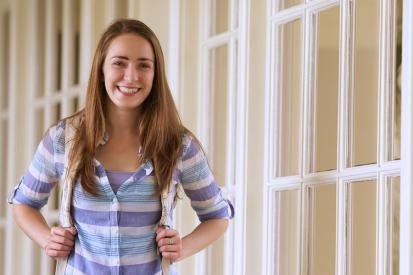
116,231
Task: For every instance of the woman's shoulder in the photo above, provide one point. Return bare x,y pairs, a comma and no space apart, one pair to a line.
58,131
190,144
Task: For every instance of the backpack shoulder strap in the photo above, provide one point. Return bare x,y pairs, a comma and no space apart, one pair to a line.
67,187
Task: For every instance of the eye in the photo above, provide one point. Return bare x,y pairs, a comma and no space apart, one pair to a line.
145,65
118,63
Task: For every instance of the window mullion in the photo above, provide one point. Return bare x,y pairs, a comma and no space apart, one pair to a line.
341,240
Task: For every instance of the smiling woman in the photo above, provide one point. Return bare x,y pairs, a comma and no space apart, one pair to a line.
120,161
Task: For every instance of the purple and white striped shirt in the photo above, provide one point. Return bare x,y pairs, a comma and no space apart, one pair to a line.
116,230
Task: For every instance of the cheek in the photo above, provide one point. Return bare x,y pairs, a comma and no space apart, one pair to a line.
149,80
111,76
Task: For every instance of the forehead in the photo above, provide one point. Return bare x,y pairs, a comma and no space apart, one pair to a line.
130,45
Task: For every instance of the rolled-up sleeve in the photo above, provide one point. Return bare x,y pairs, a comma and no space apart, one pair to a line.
34,187
207,198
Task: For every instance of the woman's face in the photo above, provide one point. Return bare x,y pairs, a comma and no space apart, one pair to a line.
129,69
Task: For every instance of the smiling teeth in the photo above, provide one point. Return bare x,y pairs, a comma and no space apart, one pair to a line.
127,90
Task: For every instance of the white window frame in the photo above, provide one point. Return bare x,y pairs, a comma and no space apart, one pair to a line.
380,171
235,38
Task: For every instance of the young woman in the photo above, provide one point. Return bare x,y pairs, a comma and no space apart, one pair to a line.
121,160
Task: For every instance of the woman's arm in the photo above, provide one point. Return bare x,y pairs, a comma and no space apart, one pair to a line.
57,241
173,247
203,235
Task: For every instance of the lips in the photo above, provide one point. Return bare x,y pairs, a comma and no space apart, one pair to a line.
128,91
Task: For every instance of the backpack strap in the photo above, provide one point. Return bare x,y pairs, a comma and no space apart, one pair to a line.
168,201
67,188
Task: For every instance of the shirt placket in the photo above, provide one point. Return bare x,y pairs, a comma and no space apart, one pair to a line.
115,240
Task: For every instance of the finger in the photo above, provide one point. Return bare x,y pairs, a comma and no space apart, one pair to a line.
170,241
59,247
165,241
166,233
171,233
169,248
67,233
57,253
61,240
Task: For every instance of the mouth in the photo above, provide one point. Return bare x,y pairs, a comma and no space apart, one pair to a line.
128,91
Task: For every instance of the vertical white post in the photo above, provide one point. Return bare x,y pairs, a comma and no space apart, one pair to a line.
341,240
133,8
50,71
20,18
86,45
238,241
406,188
31,89
68,54
9,244
173,51
201,258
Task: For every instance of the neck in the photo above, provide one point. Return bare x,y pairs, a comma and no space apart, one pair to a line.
121,121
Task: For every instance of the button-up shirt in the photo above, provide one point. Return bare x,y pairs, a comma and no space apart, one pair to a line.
116,231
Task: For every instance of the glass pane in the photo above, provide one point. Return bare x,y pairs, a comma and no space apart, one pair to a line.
59,46
54,199
5,57
366,70
41,48
362,215
216,252
397,83
40,128
290,87
121,9
75,104
76,42
322,229
285,4
217,256
287,232
36,256
395,225
220,11
326,88
218,107
56,113
48,266
3,167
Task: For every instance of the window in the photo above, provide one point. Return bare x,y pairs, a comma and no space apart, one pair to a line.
222,116
333,132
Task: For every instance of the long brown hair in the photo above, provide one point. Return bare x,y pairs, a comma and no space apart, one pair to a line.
160,128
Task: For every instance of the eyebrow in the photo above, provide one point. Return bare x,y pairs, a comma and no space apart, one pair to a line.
138,59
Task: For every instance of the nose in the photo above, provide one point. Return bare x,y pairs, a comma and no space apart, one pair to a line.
131,74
